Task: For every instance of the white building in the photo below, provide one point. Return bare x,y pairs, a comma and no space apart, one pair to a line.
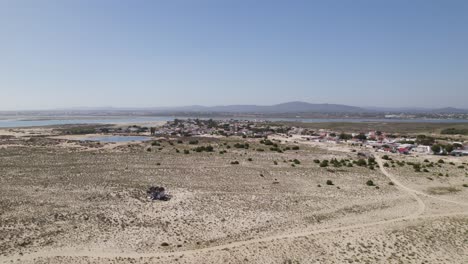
422,149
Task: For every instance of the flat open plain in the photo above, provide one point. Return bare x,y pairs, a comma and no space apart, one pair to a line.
65,201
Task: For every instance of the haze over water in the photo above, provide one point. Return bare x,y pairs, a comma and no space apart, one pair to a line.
11,123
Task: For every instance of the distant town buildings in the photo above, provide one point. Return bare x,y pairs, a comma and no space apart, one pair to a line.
377,140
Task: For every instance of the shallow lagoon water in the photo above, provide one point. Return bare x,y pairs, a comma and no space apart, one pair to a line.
116,139
13,123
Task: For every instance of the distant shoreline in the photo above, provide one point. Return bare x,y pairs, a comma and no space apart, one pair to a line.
34,121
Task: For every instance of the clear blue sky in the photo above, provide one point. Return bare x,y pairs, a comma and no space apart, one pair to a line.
135,53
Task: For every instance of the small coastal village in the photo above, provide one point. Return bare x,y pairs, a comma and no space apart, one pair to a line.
379,141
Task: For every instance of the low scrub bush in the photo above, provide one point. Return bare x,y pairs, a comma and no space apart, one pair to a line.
361,162
324,163
242,145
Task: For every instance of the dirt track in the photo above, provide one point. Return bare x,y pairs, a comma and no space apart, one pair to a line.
99,253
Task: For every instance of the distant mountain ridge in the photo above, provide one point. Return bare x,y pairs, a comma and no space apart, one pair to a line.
304,107
445,110
289,107
283,108
450,110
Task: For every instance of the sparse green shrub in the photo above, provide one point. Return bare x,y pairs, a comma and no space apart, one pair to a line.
316,161
186,151
370,183
276,149
295,148
329,182
234,162
344,136
240,145
454,131
296,161
361,162
204,148
324,163
79,130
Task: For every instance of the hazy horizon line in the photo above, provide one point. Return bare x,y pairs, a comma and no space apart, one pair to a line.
83,108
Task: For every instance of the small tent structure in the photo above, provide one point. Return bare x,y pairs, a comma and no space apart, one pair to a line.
157,193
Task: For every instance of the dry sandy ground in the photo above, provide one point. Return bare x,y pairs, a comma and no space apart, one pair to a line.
68,202
25,132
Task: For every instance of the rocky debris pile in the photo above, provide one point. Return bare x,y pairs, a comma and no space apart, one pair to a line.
157,193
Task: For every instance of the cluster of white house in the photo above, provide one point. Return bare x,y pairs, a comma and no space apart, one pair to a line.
379,142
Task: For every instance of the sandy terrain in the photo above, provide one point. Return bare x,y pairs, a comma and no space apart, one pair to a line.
72,202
